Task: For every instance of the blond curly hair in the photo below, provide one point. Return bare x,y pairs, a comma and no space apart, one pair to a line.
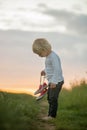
40,45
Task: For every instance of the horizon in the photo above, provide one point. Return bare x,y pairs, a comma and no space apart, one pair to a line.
31,91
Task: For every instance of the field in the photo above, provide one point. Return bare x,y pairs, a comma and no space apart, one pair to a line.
23,112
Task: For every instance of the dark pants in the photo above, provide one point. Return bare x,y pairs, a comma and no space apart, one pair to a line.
52,97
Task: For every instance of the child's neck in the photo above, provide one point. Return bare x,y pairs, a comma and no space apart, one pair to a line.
49,52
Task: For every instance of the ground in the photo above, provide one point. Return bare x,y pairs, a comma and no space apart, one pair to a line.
45,125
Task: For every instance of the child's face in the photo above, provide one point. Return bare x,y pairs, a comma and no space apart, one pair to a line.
44,53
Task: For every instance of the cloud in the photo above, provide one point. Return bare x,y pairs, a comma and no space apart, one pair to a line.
74,22
78,24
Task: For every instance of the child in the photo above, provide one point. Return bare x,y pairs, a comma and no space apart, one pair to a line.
52,71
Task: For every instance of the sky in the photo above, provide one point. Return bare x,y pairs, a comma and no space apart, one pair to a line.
62,22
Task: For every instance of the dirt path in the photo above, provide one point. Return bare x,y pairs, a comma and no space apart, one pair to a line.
44,125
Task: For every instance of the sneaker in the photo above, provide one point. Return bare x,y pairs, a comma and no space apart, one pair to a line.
41,88
47,118
42,94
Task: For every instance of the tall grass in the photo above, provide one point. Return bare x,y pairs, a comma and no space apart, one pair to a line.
20,111
17,112
72,114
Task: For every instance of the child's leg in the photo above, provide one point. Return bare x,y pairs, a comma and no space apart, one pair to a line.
53,94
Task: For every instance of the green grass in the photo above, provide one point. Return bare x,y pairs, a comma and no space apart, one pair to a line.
72,114
17,112
20,111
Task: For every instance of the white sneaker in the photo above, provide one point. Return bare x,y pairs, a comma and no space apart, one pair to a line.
42,94
41,88
47,118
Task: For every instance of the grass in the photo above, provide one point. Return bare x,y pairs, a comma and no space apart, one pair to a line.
72,113
17,112
20,111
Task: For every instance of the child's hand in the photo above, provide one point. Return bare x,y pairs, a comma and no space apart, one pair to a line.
43,73
52,85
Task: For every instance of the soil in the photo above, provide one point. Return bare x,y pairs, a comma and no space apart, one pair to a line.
44,125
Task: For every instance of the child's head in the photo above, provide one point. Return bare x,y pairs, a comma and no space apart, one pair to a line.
40,46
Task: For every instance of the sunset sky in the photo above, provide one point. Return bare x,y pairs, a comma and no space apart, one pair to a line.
62,22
